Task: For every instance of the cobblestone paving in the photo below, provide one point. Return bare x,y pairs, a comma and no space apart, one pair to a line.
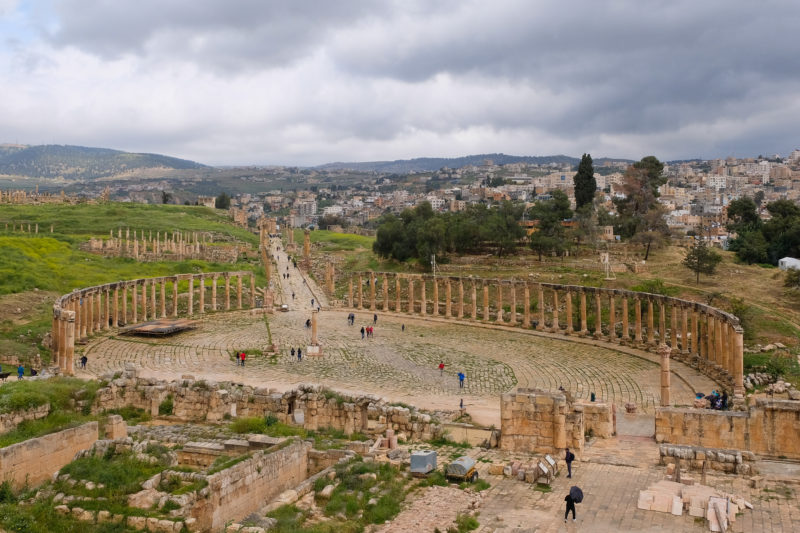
394,361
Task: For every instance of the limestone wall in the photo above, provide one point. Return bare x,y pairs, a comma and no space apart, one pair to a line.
245,487
534,421
308,406
36,460
598,418
9,421
770,428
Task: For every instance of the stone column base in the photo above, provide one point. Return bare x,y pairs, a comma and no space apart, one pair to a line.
315,350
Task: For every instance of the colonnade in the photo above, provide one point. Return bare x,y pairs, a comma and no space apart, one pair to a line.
84,312
705,337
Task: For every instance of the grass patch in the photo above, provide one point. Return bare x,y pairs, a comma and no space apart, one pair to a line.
436,477
249,424
30,429
539,487
464,523
58,392
224,462
166,407
445,441
132,415
121,474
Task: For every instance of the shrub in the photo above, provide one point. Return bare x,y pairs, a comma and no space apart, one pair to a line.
166,407
249,424
131,415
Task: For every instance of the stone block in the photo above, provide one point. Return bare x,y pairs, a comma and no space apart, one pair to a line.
677,506
662,502
62,509
326,492
496,469
645,501
697,512
137,522
103,516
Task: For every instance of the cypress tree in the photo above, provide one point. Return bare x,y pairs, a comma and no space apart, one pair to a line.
585,184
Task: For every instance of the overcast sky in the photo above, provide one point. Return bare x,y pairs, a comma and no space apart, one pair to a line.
309,82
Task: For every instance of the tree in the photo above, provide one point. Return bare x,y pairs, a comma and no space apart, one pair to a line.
743,215
223,201
792,279
503,229
585,184
166,197
751,247
550,234
654,172
700,259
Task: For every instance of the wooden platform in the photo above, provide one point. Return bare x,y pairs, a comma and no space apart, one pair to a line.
160,327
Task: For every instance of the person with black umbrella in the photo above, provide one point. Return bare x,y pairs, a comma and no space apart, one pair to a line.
575,496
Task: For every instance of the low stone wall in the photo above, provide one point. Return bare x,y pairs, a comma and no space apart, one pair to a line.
36,460
9,421
770,428
475,436
308,406
598,418
534,421
242,489
699,458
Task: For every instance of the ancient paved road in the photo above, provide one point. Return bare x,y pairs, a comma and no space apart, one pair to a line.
401,365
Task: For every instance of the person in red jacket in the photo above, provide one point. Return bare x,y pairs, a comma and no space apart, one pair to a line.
242,356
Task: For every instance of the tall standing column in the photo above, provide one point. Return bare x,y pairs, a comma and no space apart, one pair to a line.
738,362
500,302
253,291
637,328
144,300
107,314
190,304
410,296
68,362
372,280
350,302
474,300
673,333
90,313
711,329
163,291
540,303
726,348
115,315
684,330
626,332
448,295
214,292
556,326
695,331
612,317
398,290
584,322
202,303
718,342
153,301
239,292
175,298
385,293
124,305
435,297
598,319
55,339
423,300
568,311
513,304
360,292
662,324
460,298
526,311
314,341
664,352
486,301
227,292
651,333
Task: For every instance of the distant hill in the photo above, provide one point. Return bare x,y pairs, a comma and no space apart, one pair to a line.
80,162
428,164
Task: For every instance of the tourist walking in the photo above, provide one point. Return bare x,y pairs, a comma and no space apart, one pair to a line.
242,356
299,354
570,507
292,352
441,368
461,377
402,327
362,332
374,319
20,371
569,458
83,361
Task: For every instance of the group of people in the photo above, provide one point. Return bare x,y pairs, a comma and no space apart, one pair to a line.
716,400
21,371
367,331
241,356
299,353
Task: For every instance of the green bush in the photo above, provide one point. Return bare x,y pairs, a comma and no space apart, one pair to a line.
166,407
464,523
131,415
249,424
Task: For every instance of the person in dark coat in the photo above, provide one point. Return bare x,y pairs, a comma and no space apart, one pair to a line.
569,458
570,507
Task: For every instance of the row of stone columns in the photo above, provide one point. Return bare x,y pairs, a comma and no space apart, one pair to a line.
109,306
699,334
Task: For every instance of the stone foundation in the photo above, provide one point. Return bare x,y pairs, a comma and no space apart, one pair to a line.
699,459
770,428
36,460
9,421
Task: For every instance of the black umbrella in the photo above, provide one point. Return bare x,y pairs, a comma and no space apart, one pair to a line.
576,493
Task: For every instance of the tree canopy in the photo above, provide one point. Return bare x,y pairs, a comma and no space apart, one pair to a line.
701,259
223,201
550,234
762,242
584,182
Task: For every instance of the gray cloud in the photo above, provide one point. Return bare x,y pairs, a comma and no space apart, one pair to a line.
305,82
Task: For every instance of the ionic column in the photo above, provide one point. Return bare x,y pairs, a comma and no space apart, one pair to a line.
738,362
67,363
214,292
526,311
360,292
410,296
239,292
684,330
227,292
89,313
372,291
144,300
115,315
598,322
202,306
153,301
253,291
398,301
423,304
190,302
435,297
474,302
556,327
612,317
460,298
570,329
513,304
500,302
107,315
350,292
664,352
448,294
541,304
695,331
651,331
637,328
174,280
486,301
584,322
626,332
385,293
124,304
